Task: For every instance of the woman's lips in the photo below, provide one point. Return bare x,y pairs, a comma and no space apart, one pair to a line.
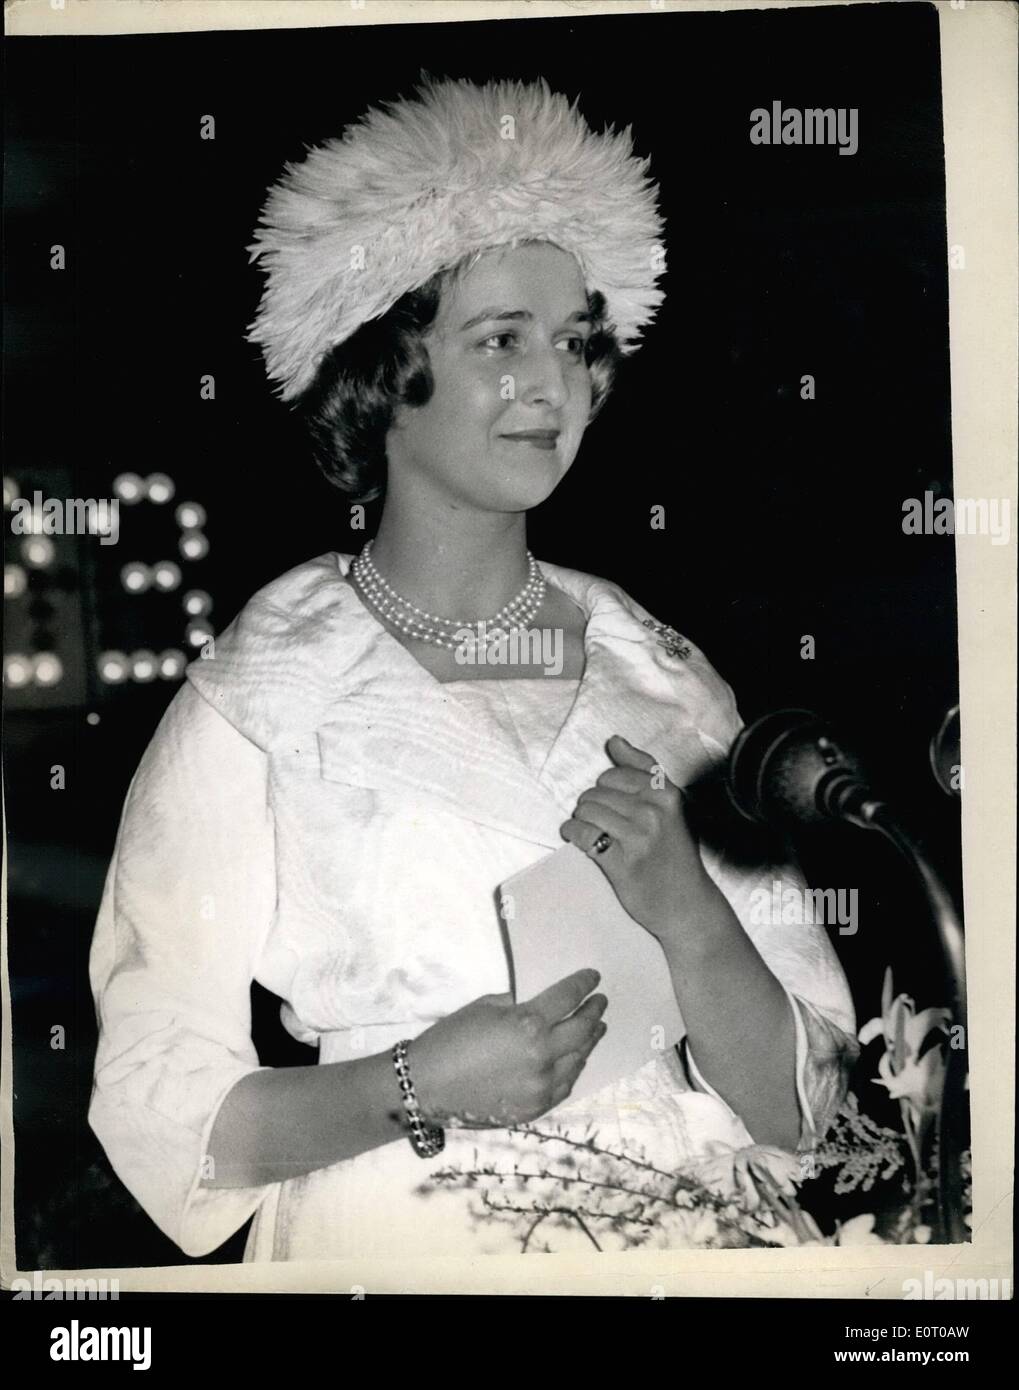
540,439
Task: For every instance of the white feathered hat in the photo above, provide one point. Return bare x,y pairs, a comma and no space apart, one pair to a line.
415,186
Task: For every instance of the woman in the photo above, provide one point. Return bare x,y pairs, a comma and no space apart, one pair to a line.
331,801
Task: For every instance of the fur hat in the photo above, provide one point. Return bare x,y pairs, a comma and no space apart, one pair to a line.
415,186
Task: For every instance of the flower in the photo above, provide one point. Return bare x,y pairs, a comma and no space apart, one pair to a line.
913,1078
859,1230
763,1181
740,1172
918,1083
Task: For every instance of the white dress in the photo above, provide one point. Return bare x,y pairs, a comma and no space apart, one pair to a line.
317,812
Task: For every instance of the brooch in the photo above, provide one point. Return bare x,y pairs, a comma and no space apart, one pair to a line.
669,638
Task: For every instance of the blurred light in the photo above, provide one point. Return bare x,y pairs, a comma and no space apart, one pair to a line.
17,670
10,492
193,545
159,487
38,552
171,665
197,603
190,515
144,667
114,668
166,575
136,577
100,518
49,669
129,487
92,717
198,634
15,581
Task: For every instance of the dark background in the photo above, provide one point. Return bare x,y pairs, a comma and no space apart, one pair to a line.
783,515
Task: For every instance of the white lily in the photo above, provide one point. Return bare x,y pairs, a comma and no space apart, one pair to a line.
912,1077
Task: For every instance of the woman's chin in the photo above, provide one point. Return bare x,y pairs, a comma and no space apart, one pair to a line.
522,493
525,500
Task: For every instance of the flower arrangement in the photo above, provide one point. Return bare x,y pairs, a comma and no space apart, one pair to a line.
754,1196
912,1070
737,1198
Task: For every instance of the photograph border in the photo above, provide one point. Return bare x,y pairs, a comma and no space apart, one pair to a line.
979,72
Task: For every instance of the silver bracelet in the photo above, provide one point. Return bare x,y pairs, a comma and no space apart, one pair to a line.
427,1140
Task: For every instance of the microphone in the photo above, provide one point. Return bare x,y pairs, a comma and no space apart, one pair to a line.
792,768
946,756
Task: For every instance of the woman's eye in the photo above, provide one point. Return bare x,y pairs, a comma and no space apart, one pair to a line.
499,340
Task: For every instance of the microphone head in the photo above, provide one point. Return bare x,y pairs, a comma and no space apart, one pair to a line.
946,753
785,768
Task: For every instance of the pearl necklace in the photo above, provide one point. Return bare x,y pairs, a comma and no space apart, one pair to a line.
414,622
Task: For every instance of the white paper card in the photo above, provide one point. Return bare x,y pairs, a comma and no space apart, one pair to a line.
562,915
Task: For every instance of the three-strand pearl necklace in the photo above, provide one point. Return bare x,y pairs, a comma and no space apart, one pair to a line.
452,633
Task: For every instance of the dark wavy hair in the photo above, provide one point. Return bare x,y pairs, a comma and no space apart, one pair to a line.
360,384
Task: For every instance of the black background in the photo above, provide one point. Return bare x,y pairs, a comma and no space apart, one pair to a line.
783,516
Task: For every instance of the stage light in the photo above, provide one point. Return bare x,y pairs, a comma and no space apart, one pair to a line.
159,487
136,577
128,487
100,519
15,581
114,668
17,670
190,515
193,545
49,669
166,575
144,667
10,492
171,665
198,634
197,603
38,552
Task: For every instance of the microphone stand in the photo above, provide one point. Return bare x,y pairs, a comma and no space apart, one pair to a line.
789,768
851,800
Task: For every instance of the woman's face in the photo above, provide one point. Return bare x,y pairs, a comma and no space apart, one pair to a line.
512,390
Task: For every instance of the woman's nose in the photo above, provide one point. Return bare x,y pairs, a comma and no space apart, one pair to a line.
546,380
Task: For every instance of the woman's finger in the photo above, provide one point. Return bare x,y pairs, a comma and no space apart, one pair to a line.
593,811
600,799
560,999
624,754
624,779
584,833
563,1086
568,1067
580,1030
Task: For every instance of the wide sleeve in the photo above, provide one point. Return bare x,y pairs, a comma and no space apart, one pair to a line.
188,901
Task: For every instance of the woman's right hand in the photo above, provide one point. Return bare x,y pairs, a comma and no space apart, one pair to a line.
495,1063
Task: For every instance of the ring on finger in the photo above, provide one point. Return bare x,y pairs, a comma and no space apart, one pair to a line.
602,843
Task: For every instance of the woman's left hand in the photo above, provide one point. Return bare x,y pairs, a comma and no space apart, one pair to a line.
652,861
